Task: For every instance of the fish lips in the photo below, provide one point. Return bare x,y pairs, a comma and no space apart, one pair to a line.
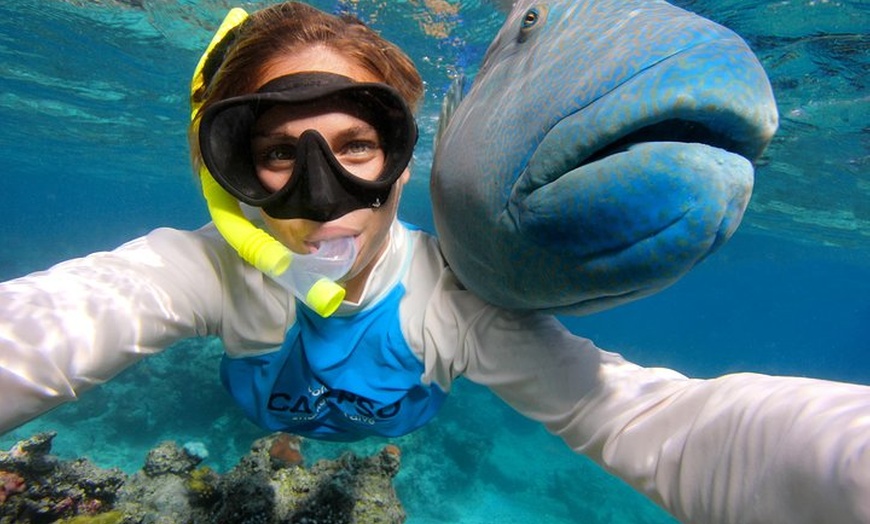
727,107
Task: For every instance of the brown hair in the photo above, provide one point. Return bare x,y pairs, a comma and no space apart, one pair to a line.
284,28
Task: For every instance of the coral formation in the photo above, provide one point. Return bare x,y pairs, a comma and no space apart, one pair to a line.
49,489
197,449
10,483
203,486
268,485
109,517
286,450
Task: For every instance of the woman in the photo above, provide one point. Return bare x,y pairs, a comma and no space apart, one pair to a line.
308,117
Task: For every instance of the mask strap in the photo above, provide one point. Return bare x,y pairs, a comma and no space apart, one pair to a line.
231,22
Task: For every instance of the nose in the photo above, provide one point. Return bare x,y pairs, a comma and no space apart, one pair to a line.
320,181
319,189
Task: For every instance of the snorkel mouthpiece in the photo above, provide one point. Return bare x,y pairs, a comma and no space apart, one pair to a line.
311,278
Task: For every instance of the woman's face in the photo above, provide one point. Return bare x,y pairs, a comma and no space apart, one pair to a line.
354,142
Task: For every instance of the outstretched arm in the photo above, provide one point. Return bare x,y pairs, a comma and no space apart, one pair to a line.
83,321
742,448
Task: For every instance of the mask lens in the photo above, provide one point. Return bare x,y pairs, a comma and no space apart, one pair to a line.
354,143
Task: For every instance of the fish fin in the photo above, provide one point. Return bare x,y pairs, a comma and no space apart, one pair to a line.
448,106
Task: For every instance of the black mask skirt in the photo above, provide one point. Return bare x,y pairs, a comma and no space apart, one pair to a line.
319,188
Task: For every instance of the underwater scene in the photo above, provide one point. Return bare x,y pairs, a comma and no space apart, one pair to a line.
93,153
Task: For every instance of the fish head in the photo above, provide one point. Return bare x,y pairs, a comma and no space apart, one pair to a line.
604,149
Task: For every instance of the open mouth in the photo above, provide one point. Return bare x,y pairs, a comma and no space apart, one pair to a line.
334,248
671,130
312,247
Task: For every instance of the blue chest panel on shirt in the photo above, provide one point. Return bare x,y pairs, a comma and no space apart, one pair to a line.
337,378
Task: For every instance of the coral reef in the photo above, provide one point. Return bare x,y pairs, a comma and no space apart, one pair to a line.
48,489
10,483
286,450
268,485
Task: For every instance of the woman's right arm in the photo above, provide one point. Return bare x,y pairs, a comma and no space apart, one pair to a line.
83,321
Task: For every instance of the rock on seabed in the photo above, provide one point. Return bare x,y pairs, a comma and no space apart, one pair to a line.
269,485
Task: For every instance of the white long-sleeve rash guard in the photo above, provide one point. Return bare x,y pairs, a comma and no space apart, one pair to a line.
741,448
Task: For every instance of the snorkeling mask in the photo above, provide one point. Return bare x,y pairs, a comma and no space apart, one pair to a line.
309,277
319,187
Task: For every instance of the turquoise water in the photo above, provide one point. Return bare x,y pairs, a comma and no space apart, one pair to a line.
93,107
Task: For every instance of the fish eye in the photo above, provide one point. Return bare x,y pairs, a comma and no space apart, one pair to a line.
533,19
530,19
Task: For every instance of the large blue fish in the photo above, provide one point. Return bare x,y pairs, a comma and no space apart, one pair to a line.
604,149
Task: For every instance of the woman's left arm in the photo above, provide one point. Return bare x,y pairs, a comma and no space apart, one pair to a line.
741,448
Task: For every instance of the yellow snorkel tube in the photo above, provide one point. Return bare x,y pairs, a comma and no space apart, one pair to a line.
254,245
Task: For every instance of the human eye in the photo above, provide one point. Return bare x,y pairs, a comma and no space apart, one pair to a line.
362,157
357,145
275,157
360,148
